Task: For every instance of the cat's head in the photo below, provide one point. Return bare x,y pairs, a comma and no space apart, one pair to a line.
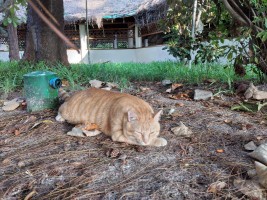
142,132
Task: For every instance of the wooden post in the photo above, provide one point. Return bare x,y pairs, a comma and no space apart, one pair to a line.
83,40
138,40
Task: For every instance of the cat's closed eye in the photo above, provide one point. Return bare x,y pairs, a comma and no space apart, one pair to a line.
139,132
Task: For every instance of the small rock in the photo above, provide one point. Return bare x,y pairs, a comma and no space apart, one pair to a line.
260,153
106,88
166,82
122,157
171,111
21,164
202,95
252,173
261,170
76,132
249,188
250,146
181,130
112,85
96,83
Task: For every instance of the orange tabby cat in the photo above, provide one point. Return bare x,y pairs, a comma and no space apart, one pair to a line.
123,117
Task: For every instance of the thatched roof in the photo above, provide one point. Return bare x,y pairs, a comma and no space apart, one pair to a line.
107,9
75,10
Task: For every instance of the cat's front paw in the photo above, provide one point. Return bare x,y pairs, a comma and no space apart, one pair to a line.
159,142
59,118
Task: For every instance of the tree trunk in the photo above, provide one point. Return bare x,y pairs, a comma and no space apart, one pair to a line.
13,42
42,44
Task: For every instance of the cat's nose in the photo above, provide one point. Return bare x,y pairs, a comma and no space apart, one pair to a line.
145,140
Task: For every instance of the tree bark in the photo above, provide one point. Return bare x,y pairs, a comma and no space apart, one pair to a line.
13,42
42,44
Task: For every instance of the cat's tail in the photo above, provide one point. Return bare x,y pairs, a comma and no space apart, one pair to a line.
63,94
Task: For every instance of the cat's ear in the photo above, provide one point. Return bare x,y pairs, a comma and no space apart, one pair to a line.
157,116
131,116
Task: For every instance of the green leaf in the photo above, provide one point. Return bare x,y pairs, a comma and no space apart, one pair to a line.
14,24
264,37
230,56
9,20
256,60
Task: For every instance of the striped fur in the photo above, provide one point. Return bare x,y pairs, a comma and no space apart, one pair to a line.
124,117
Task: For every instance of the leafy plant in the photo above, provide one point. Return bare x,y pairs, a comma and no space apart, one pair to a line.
245,21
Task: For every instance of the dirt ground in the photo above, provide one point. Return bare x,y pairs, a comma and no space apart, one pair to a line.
39,161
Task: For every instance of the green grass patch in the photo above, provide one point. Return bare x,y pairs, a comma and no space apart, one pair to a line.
79,75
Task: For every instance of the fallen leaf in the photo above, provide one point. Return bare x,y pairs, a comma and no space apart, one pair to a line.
39,123
179,104
36,124
17,132
262,122
182,96
259,137
90,126
169,90
112,153
47,122
65,83
216,187
112,85
6,161
176,85
77,164
96,83
30,119
219,150
10,106
227,121
210,81
181,130
30,195
1,102
144,88
106,88
28,172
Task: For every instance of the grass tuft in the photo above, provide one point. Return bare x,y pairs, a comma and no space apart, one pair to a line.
79,75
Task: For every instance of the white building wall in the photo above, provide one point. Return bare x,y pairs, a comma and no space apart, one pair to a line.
143,55
4,55
140,55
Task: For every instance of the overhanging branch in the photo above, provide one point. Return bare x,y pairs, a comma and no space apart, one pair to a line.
234,14
52,26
